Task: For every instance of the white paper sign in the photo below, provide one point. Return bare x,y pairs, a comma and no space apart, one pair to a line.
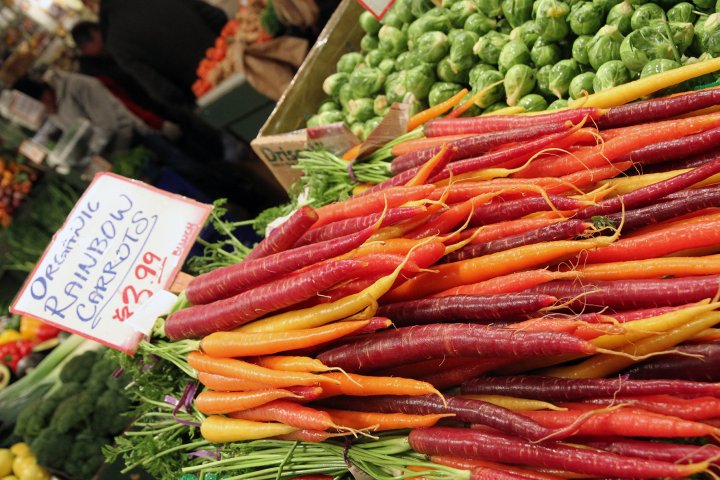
377,7
123,242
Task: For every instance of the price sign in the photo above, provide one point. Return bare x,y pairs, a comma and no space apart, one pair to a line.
377,7
118,251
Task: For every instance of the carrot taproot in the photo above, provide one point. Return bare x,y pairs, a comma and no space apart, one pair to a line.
245,344
454,377
700,363
352,153
496,231
289,413
433,165
284,236
484,444
665,451
435,111
213,403
221,429
469,464
585,177
497,211
445,221
513,283
358,420
307,435
422,143
222,383
291,363
651,268
674,149
363,385
515,403
467,104
627,184
424,367
235,368
696,409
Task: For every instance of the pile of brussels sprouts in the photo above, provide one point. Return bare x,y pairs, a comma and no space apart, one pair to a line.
535,54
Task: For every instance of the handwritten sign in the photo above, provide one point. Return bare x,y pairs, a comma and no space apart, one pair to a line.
123,242
377,7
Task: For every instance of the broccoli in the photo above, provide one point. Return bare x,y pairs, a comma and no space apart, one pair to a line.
64,390
110,415
73,411
51,448
85,456
78,368
34,417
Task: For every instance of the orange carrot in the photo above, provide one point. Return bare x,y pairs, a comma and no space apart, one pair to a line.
211,403
383,421
435,111
289,413
652,268
222,383
362,386
439,160
423,144
515,282
465,106
292,363
352,153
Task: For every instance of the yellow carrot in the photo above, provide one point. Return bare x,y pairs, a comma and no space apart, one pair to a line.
515,403
220,429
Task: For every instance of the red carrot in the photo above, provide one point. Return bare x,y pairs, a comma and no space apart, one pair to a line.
628,315
696,409
289,413
284,236
467,464
513,283
497,211
666,452
445,221
200,320
674,149
461,374
499,447
682,366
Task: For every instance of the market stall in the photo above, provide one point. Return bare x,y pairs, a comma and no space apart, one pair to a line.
499,261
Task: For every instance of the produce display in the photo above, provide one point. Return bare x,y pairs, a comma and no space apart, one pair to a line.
18,338
524,296
20,463
525,54
15,184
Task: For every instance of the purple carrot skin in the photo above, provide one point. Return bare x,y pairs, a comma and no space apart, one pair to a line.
464,308
477,144
675,149
466,410
556,231
500,447
228,281
627,315
350,225
483,124
423,342
395,181
657,109
200,320
651,193
680,365
677,204
510,157
285,236
499,211
484,473
632,294
552,389
665,452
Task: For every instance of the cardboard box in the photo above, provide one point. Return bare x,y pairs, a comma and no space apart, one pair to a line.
282,136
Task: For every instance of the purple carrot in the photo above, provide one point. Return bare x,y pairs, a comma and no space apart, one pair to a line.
689,162
413,344
200,320
679,365
494,123
477,144
350,225
663,451
675,149
548,233
284,236
482,444
510,157
685,201
228,281
553,389
503,210
465,410
464,308
628,315
658,109
632,294
650,194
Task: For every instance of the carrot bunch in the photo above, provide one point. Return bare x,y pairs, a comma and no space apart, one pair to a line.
568,299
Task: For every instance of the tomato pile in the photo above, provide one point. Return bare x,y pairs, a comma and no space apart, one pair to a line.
15,184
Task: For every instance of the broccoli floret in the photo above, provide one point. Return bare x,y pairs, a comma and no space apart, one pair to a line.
51,448
34,417
65,390
103,368
73,411
79,367
110,415
85,456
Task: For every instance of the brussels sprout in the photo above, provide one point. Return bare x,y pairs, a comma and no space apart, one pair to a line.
373,58
441,91
544,53
380,105
528,32
483,81
558,104
332,84
472,111
418,80
345,95
408,61
604,46
387,66
489,46
366,81
543,80
371,125
645,15
581,85
503,26
403,11
704,4
519,81
448,71
432,46
585,18
495,107
682,12
369,23
453,33
369,42
327,118
709,35
419,7
561,75
644,45
426,24
392,41
460,12
682,34
395,89
349,61
361,109
491,8
533,103
620,16
479,23
313,121
658,66
328,106
461,48
610,74
551,19
513,53
606,5
517,12
448,3
475,71
391,19
579,49
358,129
